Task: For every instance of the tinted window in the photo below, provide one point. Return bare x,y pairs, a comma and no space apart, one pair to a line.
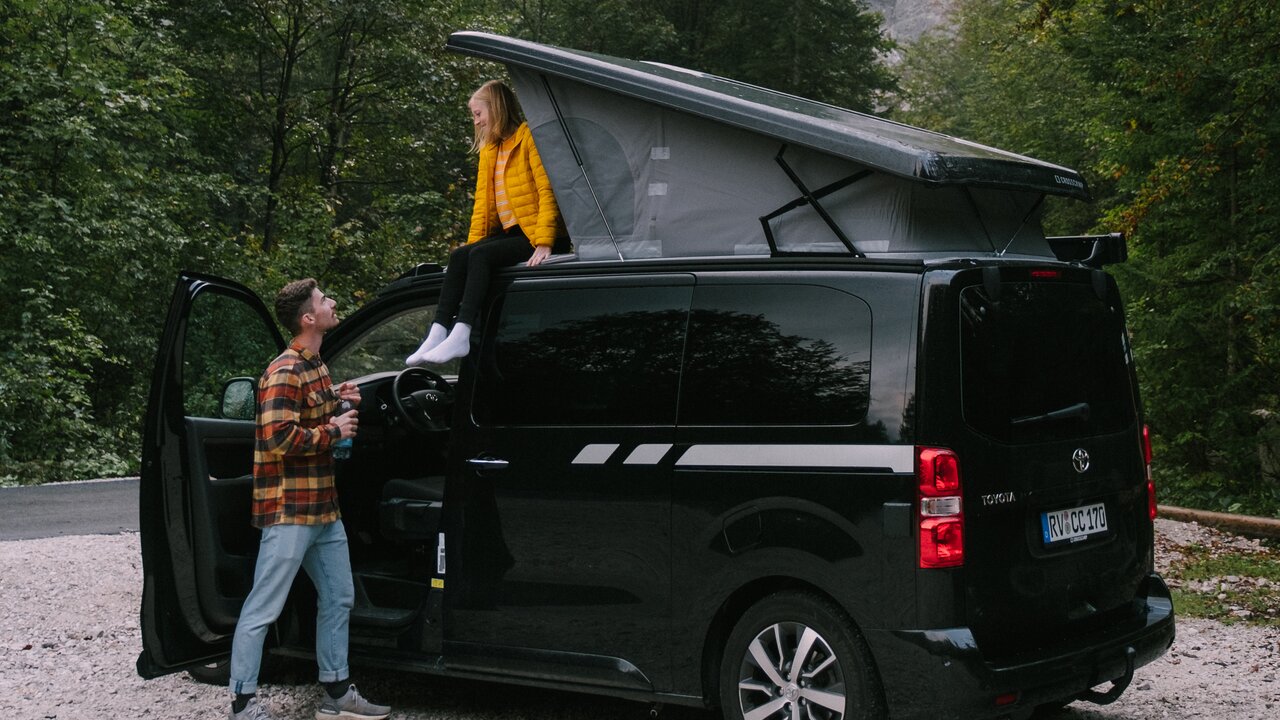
590,356
776,355
1043,347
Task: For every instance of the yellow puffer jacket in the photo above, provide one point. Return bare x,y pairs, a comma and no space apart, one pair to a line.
528,191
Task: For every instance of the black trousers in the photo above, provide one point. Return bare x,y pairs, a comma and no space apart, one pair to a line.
466,280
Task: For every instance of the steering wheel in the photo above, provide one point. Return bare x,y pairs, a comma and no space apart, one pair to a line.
427,409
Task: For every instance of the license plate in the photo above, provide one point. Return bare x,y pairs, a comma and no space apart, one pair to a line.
1073,525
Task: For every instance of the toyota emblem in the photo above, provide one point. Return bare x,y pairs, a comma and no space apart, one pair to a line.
1080,459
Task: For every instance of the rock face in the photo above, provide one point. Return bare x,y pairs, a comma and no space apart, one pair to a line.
907,20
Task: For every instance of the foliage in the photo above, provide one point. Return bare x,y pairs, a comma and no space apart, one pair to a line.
345,120
138,138
272,139
828,50
267,140
624,28
1170,109
45,384
99,201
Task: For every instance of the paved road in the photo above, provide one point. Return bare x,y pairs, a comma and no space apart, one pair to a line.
97,507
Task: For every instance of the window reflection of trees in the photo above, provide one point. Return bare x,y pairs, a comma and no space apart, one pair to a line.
743,369
620,368
225,338
623,368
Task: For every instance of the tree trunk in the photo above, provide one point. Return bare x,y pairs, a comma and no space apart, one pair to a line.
282,122
336,128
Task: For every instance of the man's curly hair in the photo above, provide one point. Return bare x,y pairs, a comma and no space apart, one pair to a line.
292,302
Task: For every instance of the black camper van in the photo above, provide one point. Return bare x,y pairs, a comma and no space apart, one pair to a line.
814,422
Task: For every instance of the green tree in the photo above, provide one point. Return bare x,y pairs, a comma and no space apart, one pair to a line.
626,28
994,75
344,127
1196,181
141,137
828,50
1170,109
99,201
267,140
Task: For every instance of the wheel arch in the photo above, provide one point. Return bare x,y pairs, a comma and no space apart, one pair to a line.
741,600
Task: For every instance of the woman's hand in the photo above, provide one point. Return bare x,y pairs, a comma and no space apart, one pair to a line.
540,253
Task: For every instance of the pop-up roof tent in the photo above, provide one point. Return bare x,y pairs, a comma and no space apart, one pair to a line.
651,160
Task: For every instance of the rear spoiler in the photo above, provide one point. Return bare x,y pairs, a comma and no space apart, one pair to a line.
1091,250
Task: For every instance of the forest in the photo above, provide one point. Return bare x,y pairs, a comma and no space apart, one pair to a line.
265,140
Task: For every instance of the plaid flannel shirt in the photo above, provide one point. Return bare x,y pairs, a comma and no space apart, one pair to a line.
292,465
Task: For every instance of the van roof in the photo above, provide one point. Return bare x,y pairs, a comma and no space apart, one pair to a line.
894,148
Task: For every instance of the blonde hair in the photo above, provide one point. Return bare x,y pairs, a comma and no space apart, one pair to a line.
504,114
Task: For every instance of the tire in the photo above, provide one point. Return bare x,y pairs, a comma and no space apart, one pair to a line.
273,669
835,680
214,673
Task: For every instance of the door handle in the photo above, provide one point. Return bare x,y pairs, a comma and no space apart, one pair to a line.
487,463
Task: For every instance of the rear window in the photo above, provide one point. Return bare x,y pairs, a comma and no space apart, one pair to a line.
1044,361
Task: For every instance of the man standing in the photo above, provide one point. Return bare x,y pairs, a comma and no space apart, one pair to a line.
295,503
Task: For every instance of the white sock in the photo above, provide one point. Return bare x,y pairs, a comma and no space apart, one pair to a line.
435,336
457,345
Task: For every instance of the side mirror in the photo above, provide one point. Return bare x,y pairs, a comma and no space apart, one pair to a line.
239,399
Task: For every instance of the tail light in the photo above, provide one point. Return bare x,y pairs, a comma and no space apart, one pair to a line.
1151,484
940,516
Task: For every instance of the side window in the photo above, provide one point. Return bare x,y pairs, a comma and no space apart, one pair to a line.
385,345
583,356
776,355
225,338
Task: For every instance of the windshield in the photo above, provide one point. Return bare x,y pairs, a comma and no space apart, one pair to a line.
1044,361
383,346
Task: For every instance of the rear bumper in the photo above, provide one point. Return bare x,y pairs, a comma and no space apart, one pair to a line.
942,674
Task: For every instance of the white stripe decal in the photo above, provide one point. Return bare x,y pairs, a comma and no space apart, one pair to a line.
595,454
898,458
647,454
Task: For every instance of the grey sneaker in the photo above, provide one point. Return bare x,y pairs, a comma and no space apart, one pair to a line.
252,711
351,707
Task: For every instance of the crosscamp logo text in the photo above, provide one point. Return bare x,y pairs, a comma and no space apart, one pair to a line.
1068,181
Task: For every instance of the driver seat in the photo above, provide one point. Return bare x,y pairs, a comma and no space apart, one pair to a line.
411,507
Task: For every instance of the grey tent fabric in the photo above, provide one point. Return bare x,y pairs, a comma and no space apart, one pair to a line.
894,148
642,176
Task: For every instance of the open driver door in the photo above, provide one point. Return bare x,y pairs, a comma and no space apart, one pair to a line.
198,547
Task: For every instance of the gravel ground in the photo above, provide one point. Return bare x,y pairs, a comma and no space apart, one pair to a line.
69,637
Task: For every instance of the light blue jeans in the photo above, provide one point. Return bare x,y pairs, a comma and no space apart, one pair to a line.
322,551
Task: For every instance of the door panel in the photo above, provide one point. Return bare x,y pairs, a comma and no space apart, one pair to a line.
225,547
198,548
565,514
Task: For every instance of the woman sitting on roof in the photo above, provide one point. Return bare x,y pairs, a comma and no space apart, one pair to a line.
515,219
